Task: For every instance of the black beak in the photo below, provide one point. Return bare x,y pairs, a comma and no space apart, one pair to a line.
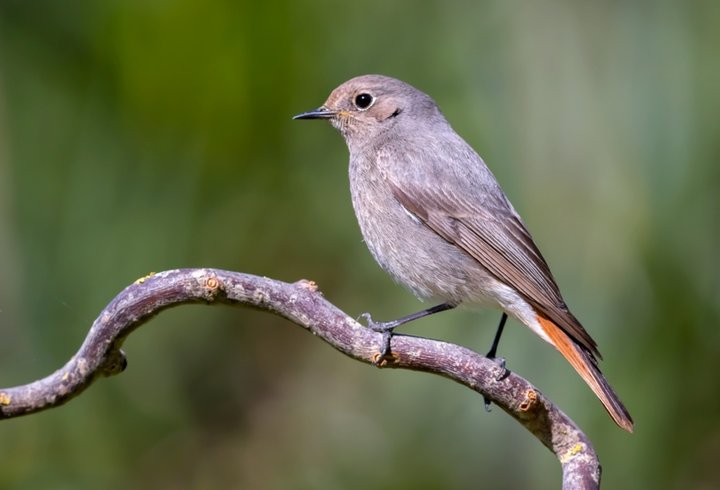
319,113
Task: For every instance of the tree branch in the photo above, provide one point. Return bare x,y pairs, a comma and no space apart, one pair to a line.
301,303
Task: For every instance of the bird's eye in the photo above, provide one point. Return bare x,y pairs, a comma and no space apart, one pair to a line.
363,101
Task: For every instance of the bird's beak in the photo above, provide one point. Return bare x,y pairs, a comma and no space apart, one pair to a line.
319,113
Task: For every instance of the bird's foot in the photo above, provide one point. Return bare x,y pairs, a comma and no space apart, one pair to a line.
386,329
500,361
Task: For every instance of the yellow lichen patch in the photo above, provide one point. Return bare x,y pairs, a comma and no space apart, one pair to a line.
5,399
307,284
144,278
381,360
530,401
212,283
577,448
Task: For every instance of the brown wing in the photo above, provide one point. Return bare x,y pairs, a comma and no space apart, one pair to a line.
495,236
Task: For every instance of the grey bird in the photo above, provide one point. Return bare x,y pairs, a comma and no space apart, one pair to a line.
435,218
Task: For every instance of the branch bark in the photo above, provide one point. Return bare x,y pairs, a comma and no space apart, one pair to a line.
301,303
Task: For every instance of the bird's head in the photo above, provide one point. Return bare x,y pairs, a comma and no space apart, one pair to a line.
367,106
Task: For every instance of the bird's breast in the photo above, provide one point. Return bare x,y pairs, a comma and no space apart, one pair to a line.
413,254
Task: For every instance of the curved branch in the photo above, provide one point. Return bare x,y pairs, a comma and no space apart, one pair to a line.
301,303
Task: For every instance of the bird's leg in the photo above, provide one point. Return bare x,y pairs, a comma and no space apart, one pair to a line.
493,352
496,341
386,328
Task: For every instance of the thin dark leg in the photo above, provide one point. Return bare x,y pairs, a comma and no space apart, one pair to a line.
496,341
493,352
386,328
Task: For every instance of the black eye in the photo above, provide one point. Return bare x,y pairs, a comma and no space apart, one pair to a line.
363,101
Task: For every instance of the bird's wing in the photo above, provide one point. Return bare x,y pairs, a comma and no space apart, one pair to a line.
486,227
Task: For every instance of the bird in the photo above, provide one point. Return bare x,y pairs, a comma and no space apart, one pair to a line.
435,218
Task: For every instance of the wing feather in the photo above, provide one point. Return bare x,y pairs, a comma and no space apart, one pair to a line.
492,233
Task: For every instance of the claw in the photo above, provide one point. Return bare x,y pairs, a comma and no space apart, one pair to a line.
386,329
377,326
500,361
487,403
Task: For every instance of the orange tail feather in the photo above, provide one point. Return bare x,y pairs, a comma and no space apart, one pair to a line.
586,367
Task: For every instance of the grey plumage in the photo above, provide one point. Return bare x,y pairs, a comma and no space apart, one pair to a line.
435,218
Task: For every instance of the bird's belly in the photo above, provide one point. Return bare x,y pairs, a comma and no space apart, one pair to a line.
433,268
418,258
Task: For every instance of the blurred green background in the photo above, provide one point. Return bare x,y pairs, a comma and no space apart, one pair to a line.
141,136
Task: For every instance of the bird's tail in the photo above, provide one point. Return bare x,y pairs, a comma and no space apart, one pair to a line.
586,367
